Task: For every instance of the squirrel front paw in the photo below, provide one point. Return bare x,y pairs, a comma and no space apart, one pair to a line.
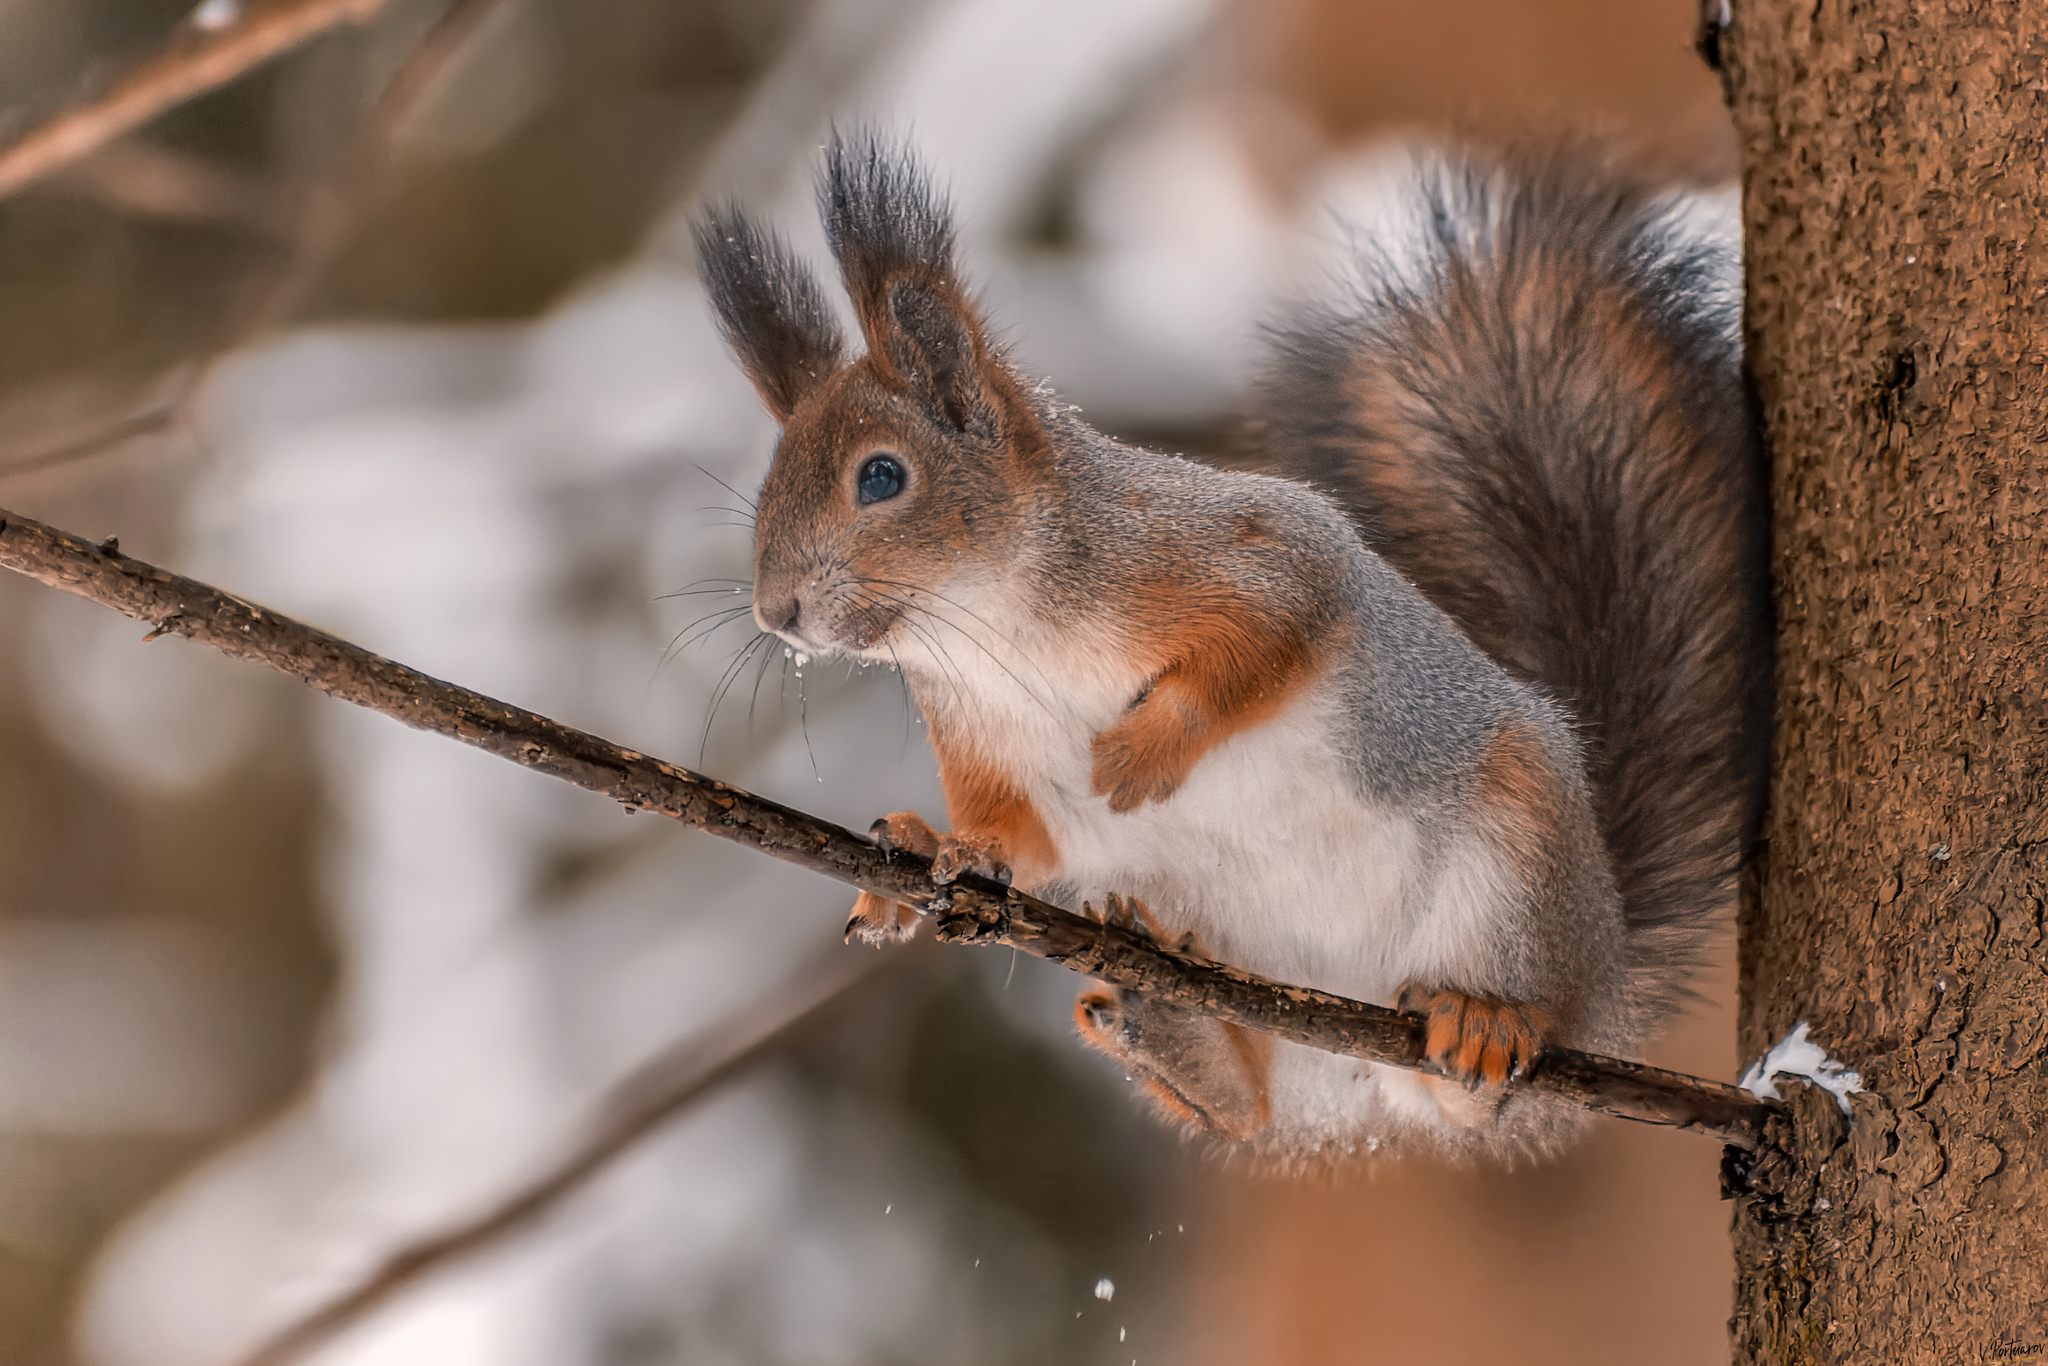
1478,1038
951,855
905,830
877,920
1147,755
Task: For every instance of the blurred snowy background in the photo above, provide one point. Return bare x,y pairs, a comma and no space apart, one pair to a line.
285,988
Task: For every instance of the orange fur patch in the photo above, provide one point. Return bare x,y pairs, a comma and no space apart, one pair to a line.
1175,1104
1255,1053
1223,665
1520,790
1397,473
1518,783
985,804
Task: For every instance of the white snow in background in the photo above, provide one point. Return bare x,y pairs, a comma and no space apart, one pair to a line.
166,718
211,16
1795,1055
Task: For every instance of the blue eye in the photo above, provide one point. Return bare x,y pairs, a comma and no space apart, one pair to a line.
880,478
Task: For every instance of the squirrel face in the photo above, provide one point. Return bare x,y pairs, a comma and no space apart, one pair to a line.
910,473
883,496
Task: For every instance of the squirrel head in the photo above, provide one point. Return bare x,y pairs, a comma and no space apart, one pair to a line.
911,473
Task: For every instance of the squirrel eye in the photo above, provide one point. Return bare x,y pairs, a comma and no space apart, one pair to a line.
880,478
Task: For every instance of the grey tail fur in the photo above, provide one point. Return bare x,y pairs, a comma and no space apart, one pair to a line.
1533,403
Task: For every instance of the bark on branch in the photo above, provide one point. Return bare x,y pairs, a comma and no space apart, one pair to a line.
971,911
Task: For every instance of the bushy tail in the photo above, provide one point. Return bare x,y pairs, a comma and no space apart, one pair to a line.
1533,401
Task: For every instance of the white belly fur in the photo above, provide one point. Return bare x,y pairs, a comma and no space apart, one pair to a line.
1269,854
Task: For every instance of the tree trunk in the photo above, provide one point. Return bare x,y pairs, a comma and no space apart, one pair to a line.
1894,198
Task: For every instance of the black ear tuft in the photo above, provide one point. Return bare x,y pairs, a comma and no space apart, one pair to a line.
769,306
893,236
883,219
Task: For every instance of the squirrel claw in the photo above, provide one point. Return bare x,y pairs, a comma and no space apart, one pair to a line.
1477,1039
1132,914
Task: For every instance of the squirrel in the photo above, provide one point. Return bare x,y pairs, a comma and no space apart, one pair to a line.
1463,709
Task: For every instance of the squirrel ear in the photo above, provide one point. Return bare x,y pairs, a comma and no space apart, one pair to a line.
932,345
769,307
893,237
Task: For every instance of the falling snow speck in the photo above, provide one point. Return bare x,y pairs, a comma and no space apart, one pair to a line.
1105,1289
887,1209
214,15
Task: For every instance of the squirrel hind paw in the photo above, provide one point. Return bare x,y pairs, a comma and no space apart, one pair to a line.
1132,914
1478,1039
878,921
1099,1015
1198,1071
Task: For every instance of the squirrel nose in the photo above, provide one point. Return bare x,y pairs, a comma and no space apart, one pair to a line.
776,616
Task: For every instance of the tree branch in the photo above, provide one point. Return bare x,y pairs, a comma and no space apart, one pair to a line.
970,911
156,418
193,65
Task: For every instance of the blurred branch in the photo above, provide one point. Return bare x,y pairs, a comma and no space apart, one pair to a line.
193,64
137,176
114,435
972,910
330,208
631,1112
326,212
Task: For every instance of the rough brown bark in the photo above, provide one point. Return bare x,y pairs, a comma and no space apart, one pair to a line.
973,910
1894,200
